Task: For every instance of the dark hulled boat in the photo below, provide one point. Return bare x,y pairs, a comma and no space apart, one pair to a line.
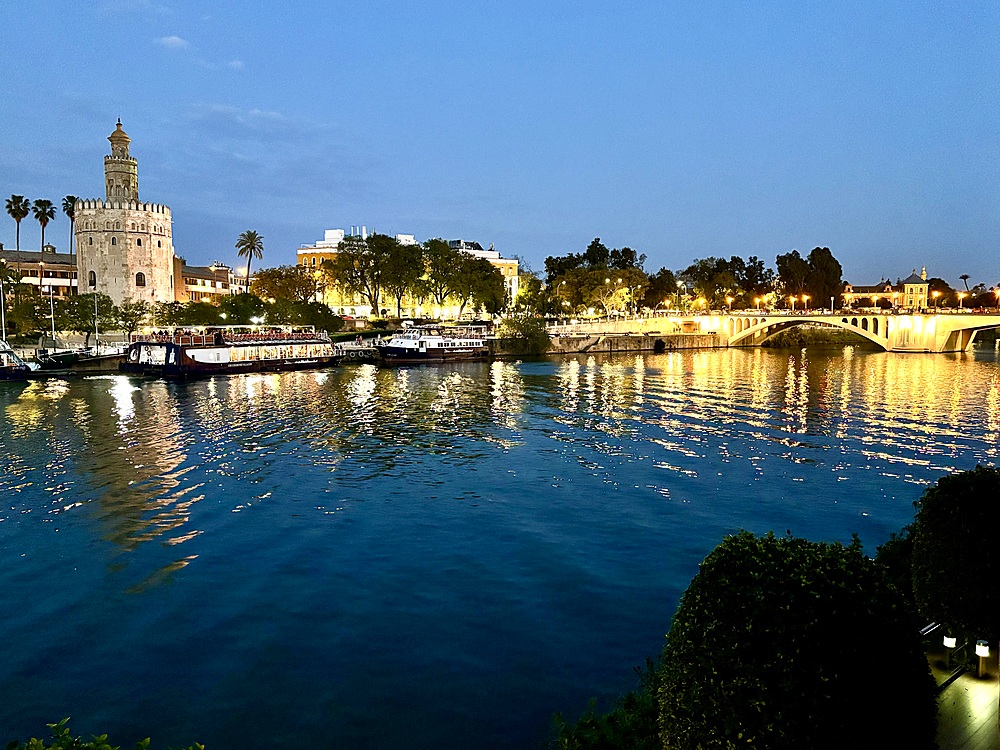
426,344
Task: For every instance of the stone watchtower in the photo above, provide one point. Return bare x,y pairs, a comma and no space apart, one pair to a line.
124,246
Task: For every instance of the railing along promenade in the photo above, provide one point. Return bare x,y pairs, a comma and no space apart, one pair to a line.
926,331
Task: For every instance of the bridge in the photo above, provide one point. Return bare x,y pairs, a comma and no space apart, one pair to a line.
893,332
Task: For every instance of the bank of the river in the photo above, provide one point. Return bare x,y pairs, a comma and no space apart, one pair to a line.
422,557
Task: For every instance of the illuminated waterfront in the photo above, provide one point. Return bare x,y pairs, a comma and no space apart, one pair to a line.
425,557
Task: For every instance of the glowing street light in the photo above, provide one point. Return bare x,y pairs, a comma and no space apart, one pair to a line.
961,296
756,302
792,299
729,301
805,302
935,294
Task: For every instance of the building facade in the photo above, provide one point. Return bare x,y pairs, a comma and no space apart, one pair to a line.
124,245
911,293
312,256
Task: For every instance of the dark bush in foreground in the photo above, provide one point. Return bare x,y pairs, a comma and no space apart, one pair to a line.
785,643
630,724
63,740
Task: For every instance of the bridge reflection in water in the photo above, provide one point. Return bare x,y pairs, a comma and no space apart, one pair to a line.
903,332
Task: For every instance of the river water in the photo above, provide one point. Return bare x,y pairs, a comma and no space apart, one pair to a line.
425,557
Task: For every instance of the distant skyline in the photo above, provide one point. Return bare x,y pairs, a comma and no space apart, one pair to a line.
682,130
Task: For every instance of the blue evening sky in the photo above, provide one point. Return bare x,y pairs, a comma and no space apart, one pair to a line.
681,129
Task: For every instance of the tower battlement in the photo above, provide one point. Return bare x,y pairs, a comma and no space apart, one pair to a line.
98,203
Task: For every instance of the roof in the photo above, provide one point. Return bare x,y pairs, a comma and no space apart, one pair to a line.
33,256
914,279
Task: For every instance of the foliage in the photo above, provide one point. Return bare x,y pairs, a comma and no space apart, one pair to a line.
531,297
442,262
76,314
895,558
293,283
69,208
955,559
249,245
63,740
130,314
662,290
44,212
241,309
475,280
793,271
18,207
630,725
360,264
825,278
403,269
524,334
713,279
766,647
285,312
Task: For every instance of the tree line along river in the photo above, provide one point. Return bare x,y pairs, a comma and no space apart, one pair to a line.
426,557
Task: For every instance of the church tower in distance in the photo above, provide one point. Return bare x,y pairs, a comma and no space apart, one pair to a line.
124,246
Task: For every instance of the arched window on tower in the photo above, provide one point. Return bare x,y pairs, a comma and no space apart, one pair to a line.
114,240
90,240
159,244
138,241
92,279
140,279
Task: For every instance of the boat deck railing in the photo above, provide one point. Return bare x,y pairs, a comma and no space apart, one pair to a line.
222,338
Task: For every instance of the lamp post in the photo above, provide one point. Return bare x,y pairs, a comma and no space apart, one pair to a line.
805,302
935,294
961,296
3,302
52,306
792,300
729,301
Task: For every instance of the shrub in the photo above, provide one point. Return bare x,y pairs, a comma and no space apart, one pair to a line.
63,740
786,643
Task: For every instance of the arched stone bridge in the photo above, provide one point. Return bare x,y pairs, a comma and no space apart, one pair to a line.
913,332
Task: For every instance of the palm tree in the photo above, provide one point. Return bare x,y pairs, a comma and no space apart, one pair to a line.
965,279
18,207
250,245
69,208
45,212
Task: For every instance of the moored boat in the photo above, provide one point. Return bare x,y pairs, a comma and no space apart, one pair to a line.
220,350
12,367
433,343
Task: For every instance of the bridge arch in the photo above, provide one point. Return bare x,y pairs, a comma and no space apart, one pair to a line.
760,330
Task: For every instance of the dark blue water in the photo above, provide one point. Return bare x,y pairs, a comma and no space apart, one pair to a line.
425,557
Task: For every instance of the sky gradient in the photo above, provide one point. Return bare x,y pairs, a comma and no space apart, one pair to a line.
682,130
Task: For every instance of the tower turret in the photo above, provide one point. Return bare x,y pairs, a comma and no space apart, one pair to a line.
121,173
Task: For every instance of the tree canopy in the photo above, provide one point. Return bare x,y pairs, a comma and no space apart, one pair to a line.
765,648
955,557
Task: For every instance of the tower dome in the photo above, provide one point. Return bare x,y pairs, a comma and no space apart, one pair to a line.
121,173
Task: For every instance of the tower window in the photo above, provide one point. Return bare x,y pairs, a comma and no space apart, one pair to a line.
90,240
92,279
140,279
138,241
114,240
159,244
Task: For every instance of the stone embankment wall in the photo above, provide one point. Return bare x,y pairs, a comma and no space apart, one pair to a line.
624,343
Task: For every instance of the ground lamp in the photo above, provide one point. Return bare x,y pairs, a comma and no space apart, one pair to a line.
982,651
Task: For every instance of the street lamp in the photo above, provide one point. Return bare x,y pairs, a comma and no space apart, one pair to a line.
729,301
756,302
961,296
3,302
52,307
935,295
805,302
792,300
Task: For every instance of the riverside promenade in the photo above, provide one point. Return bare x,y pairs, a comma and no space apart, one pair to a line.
967,709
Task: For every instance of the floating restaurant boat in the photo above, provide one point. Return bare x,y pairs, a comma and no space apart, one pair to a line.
86,361
12,367
221,350
432,343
